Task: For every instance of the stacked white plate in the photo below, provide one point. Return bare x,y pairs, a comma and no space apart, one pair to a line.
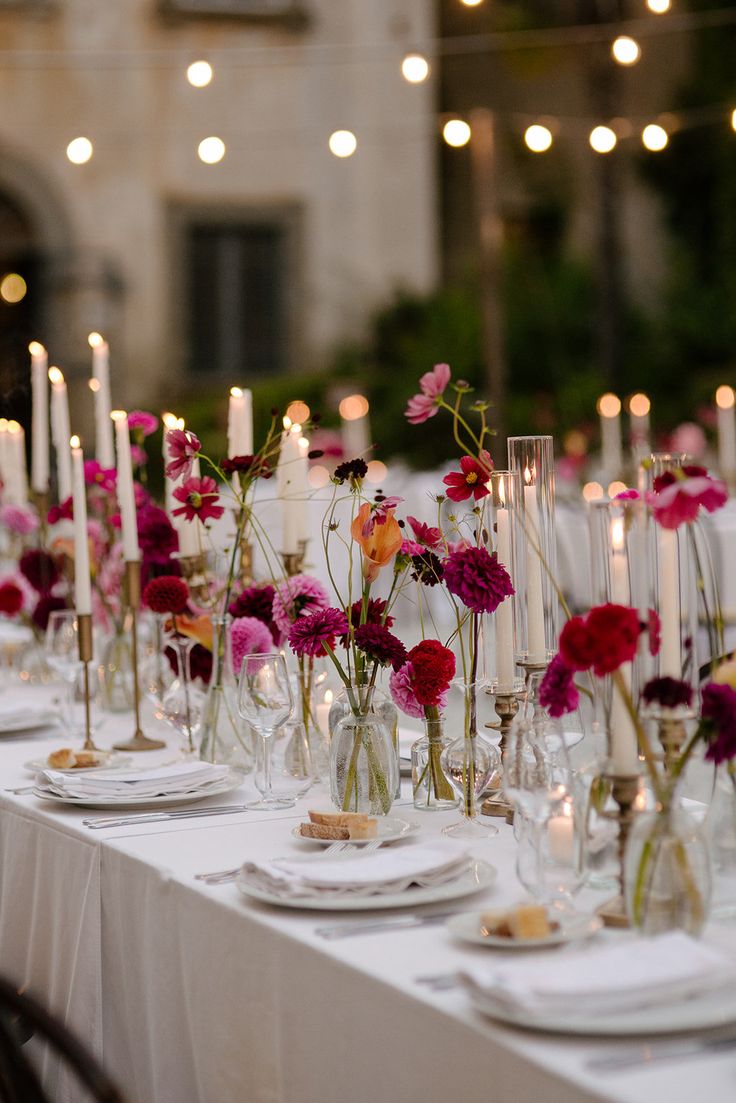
178,783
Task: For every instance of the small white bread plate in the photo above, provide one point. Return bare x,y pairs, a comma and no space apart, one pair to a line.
44,719
109,760
390,830
469,928
233,781
478,875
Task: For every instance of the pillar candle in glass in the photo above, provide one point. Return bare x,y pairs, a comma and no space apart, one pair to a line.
40,418
82,581
126,493
502,490
61,432
609,410
726,412
105,452
534,556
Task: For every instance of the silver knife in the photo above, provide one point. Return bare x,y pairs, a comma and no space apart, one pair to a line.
395,923
159,817
662,1051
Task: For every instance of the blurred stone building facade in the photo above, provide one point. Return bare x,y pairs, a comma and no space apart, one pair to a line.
195,272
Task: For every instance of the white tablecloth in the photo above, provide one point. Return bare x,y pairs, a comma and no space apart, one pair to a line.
192,994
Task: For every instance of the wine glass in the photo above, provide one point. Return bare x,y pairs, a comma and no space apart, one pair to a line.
265,701
62,655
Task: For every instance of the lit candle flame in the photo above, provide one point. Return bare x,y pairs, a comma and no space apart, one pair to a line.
36,348
118,415
55,376
95,339
94,385
617,534
74,442
236,392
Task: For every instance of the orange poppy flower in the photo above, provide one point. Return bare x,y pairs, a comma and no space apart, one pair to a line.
197,628
381,543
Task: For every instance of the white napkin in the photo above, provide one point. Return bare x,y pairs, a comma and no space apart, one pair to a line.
363,874
181,777
638,972
29,715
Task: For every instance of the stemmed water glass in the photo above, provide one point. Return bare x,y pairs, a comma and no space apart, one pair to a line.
266,702
62,655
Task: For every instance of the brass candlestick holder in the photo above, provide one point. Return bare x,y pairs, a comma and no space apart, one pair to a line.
294,561
672,734
41,500
507,706
624,789
194,572
245,573
139,741
84,640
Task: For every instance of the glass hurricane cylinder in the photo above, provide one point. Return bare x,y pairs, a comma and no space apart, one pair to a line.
225,738
363,761
371,699
533,547
431,789
470,763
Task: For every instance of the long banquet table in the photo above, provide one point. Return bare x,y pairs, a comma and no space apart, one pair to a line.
193,994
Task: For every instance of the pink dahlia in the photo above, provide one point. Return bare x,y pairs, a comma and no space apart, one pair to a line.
309,635
471,481
297,597
249,636
677,500
558,693
403,694
478,579
182,447
200,498
432,386
19,519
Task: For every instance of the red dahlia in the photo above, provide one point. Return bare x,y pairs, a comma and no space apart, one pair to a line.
166,594
433,669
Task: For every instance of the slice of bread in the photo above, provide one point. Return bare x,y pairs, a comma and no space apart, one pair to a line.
528,921
65,759
323,831
84,759
365,830
338,819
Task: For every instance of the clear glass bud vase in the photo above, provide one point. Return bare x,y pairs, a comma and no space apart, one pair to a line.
667,870
363,762
431,789
116,672
377,702
225,737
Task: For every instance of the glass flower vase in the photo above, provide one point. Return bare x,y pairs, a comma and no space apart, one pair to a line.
431,789
720,826
305,696
667,870
469,763
373,699
225,737
115,670
363,763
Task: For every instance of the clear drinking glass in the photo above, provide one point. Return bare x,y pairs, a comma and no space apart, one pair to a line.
62,655
266,702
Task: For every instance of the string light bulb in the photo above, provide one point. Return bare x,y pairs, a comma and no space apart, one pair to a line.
654,137
415,68
456,133
199,74
602,139
211,150
79,151
625,50
538,138
342,143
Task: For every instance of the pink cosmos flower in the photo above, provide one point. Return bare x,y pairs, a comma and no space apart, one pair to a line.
103,477
143,422
425,405
200,498
296,597
182,447
18,519
679,501
309,635
410,547
63,512
471,480
425,534
249,636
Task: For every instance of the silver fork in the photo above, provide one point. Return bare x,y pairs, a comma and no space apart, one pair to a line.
224,876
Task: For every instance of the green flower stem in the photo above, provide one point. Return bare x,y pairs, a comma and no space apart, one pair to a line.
438,783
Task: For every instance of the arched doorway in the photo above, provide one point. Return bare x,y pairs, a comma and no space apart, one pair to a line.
22,306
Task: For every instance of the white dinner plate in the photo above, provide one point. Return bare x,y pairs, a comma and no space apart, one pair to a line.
469,928
109,760
390,830
233,781
712,1009
29,722
477,876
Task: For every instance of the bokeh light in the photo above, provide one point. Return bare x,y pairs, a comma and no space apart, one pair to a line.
415,68
199,74
456,133
538,138
354,406
13,288
211,150
626,50
602,139
343,143
79,151
654,137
